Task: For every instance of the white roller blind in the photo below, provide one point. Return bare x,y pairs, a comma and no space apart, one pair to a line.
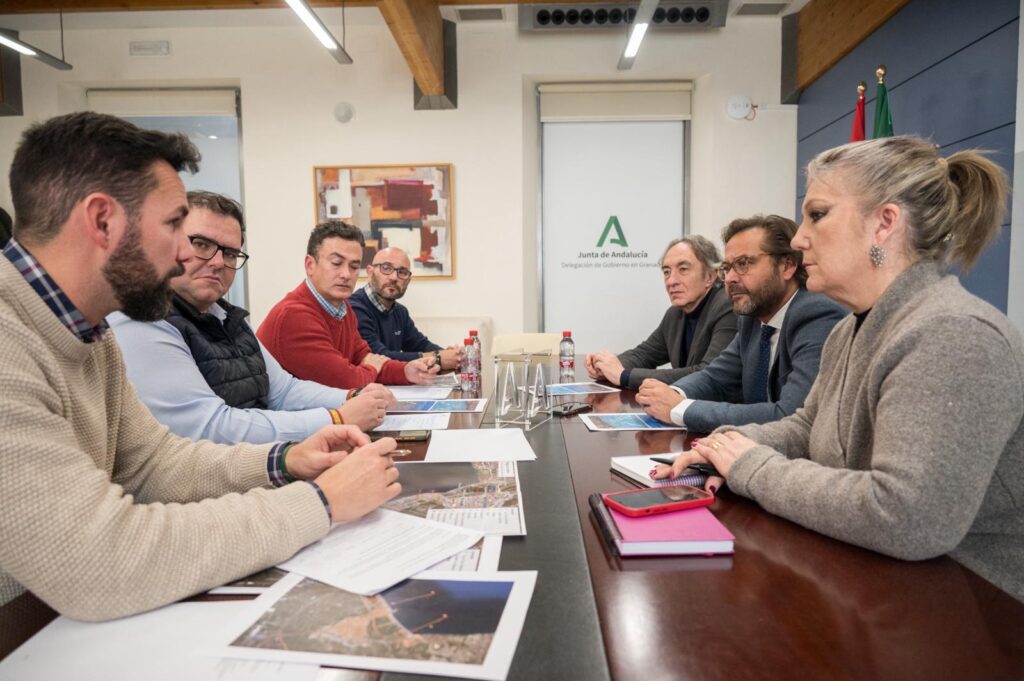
163,102
644,101
613,198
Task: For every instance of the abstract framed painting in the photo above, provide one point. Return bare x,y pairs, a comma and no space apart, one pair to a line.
403,206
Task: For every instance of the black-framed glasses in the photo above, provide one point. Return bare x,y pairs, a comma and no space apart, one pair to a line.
741,264
206,249
387,269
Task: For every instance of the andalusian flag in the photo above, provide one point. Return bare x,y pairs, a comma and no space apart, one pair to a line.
883,114
857,131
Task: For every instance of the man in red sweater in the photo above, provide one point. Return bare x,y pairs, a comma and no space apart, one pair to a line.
313,331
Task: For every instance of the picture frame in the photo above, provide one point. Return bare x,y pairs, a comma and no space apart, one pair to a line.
408,206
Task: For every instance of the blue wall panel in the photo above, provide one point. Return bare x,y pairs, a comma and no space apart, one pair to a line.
952,78
919,36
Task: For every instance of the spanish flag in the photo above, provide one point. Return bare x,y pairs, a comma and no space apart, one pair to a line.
857,131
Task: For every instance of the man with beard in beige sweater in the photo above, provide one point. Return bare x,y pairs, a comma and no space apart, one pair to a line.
103,512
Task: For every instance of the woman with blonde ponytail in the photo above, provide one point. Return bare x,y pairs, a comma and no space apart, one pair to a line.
911,442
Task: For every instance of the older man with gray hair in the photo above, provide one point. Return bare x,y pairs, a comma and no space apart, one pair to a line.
699,324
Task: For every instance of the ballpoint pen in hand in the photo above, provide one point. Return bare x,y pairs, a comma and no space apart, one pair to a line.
704,468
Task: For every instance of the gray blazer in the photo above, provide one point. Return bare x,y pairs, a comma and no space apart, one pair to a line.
715,328
723,389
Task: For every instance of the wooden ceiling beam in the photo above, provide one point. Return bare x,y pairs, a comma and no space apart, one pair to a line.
416,27
46,6
828,30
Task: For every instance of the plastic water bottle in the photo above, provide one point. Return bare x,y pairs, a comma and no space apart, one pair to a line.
566,358
470,367
476,343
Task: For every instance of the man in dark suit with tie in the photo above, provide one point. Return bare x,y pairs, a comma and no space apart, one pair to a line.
695,329
767,370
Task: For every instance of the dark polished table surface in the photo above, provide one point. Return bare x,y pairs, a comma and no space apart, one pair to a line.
789,604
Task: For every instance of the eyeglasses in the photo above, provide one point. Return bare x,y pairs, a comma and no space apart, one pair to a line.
206,250
387,269
741,264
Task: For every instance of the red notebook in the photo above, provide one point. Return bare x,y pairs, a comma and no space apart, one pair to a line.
694,531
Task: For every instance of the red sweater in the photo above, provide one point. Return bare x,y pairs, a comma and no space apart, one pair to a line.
312,345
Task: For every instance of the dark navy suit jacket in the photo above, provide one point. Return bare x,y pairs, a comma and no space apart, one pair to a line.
723,388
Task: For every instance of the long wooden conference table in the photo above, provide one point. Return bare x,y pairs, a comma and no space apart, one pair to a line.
789,604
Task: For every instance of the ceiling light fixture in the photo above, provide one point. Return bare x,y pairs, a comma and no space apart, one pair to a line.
8,39
642,20
313,23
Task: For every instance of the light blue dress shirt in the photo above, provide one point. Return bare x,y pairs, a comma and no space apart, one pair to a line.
164,373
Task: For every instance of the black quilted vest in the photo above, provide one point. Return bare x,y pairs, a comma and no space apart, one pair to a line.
227,354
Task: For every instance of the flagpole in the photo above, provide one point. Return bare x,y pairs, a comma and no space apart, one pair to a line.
883,114
857,130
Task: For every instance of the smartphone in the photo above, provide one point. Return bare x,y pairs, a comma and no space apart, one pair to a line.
401,435
570,408
642,502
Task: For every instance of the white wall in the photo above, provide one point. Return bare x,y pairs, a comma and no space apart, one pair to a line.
290,86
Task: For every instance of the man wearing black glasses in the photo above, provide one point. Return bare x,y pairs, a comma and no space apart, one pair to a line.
765,373
201,370
385,323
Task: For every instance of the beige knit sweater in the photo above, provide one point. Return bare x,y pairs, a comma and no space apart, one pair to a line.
103,512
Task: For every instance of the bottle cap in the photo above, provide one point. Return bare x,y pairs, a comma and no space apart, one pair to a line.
566,334
468,341
472,332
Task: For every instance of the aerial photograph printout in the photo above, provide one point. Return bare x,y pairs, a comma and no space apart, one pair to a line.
455,624
625,421
478,495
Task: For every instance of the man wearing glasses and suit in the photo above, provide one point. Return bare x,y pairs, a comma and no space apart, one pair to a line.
201,370
767,370
385,323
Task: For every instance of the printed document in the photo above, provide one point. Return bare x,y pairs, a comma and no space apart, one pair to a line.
378,551
461,624
480,444
419,392
414,422
625,421
159,645
479,495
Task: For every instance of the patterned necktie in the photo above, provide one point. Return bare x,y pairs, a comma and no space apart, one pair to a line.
764,362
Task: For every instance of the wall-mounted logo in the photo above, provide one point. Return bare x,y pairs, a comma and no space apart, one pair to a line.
612,234
619,239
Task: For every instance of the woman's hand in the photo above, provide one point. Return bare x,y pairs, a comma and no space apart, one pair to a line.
720,450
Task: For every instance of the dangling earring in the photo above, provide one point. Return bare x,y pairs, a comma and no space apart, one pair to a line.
877,255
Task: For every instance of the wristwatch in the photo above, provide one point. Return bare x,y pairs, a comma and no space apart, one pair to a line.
437,357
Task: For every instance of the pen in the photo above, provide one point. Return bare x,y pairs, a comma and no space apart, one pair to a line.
704,468
401,452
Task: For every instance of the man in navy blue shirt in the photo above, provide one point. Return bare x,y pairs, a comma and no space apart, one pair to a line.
385,324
